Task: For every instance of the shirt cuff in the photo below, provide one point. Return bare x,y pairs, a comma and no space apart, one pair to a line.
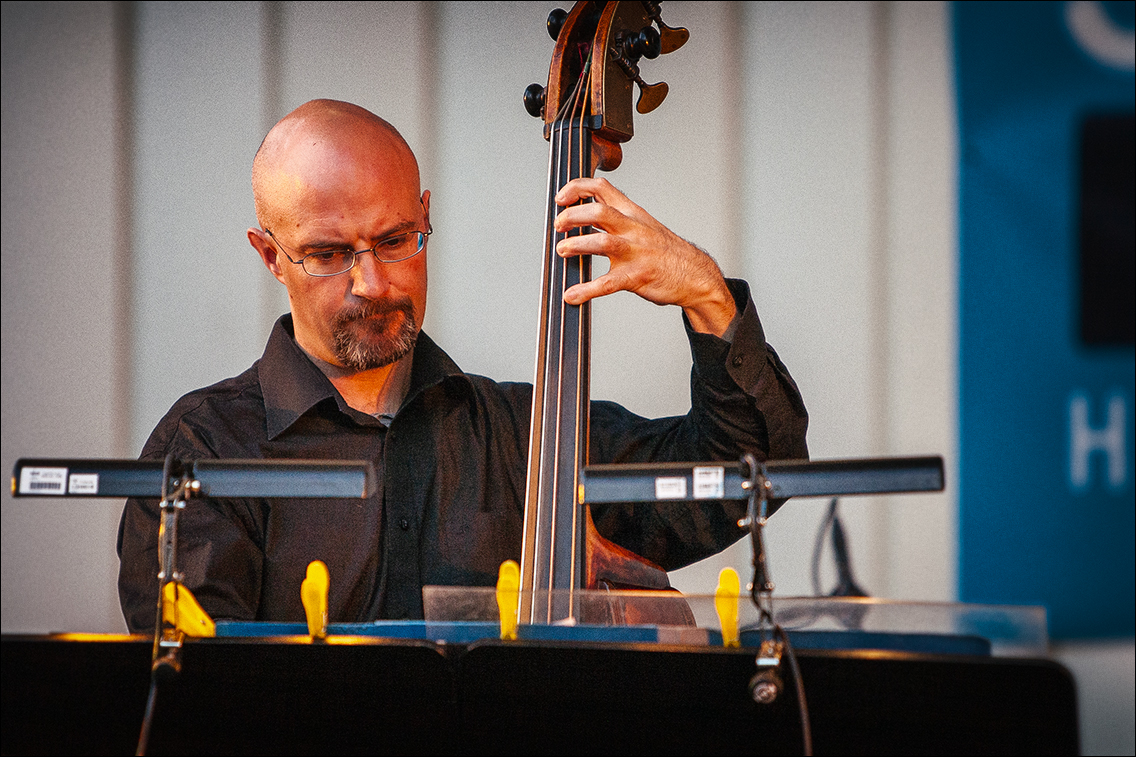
737,357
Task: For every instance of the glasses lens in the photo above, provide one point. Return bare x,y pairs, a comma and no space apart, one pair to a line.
328,263
400,247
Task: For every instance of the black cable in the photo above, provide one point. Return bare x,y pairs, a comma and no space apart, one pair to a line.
846,585
818,547
148,718
164,670
802,705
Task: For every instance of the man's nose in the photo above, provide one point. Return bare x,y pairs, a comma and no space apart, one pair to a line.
369,276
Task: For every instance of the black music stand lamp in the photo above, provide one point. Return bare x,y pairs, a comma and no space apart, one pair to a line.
176,482
763,487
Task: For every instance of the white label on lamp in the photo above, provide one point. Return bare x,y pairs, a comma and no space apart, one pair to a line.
670,487
83,483
710,482
43,481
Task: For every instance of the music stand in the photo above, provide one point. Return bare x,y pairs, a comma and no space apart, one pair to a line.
175,482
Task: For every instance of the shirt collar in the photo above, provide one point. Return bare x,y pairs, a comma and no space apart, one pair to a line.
292,384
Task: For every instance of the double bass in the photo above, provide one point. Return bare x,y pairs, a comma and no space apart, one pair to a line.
587,113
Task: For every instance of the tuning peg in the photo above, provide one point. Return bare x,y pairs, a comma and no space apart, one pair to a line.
651,96
556,19
671,38
534,100
646,43
625,52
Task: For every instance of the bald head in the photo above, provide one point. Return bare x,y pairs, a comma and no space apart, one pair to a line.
325,145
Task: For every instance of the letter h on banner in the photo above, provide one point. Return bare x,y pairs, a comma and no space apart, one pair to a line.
1084,440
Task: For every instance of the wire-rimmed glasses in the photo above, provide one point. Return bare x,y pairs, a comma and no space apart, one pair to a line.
392,249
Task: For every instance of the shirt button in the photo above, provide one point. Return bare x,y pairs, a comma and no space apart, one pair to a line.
404,524
737,360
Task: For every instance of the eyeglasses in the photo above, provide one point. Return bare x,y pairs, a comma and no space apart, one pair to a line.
393,249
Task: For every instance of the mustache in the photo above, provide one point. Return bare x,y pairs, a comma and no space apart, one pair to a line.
375,308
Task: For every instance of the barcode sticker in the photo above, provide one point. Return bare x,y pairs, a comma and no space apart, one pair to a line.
83,483
709,482
670,487
43,481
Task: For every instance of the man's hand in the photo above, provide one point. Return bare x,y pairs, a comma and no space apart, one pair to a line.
645,257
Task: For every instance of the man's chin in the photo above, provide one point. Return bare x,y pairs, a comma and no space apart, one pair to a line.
375,335
369,347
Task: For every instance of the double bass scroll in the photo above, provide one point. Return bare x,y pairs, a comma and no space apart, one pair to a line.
587,112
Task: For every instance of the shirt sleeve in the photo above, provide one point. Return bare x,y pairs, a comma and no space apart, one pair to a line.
743,400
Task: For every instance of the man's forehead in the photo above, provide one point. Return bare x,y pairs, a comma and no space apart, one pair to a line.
324,125
339,173
307,168
315,152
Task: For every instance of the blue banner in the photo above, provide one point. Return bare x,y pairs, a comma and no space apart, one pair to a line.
1046,359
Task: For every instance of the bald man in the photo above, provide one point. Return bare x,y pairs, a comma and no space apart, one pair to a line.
348,374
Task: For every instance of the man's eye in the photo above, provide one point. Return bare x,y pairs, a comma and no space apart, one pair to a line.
394,242
329,256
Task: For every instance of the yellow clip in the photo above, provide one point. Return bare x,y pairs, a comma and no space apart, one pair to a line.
508,597
181,610
726,603
313,593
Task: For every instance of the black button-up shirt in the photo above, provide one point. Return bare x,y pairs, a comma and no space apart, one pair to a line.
452,467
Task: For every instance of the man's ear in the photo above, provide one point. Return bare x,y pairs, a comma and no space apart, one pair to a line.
426,206
267,251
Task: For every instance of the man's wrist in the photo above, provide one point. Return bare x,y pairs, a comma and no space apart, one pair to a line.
716,315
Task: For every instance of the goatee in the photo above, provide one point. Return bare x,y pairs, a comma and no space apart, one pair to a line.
376,333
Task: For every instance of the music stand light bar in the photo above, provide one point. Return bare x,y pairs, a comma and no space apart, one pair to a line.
41,477
678,482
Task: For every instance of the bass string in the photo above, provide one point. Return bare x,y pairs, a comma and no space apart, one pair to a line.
568,136
583,265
